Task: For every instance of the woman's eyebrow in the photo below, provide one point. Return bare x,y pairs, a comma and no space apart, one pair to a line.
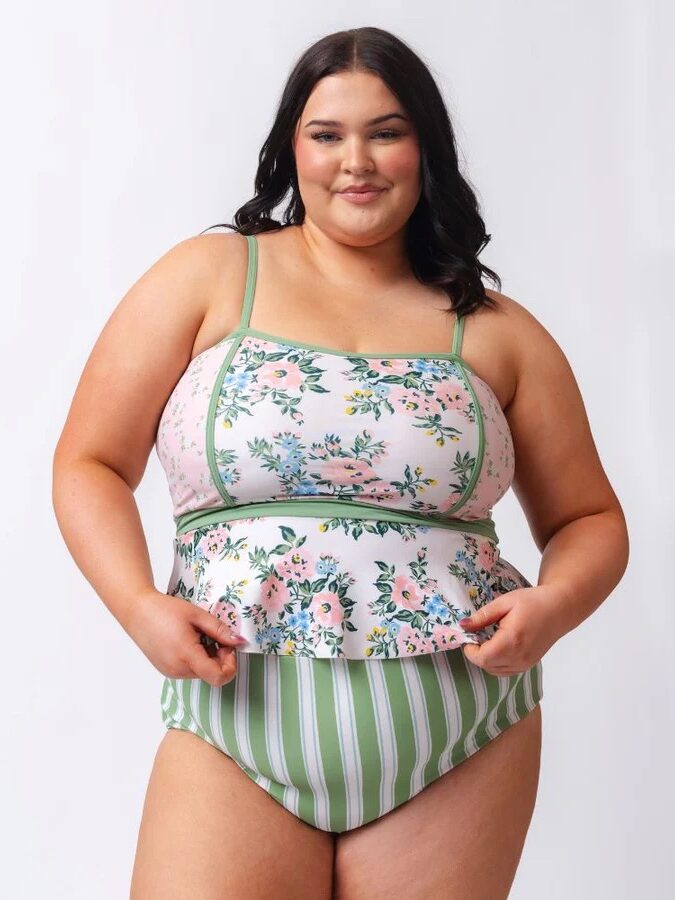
335,124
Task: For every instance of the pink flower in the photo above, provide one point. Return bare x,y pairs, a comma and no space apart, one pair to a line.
326,609
282,374
448,636
405,593
380,490
487,555
274,594
218,608
395,366
347,471
416,403
453,395
211,545
423,403
296,564
449,501
410,642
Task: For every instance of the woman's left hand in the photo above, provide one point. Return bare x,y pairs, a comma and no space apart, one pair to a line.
528,627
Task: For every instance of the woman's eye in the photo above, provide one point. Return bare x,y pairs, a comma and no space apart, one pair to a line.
321,134
317,136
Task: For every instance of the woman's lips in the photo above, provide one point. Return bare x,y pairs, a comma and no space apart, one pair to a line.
360,196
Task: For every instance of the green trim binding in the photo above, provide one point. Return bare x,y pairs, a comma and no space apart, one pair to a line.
251,273
247,305
330,507
211,420
327,507
457,337
463,365
481,442
290,342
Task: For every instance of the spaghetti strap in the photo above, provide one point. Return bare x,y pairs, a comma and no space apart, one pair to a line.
251,273
457,335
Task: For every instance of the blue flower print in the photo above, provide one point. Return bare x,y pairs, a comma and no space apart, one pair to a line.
305,486
289,443
436,607
426,367
290,465
237,379
299,620
326,566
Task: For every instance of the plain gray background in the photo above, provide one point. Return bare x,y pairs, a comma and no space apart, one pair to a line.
129,127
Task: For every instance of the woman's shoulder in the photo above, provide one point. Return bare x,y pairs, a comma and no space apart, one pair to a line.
525,338
505,341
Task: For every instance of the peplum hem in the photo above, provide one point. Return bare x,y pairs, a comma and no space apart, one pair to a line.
331,587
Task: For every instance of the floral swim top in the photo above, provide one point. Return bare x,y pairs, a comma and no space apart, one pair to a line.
330,503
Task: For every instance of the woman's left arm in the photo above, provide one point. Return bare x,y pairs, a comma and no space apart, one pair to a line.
573,512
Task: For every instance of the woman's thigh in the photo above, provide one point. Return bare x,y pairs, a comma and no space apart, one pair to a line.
209,831
460,838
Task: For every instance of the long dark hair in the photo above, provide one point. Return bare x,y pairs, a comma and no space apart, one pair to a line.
445,232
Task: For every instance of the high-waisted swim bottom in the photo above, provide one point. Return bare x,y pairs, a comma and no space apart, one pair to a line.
340,742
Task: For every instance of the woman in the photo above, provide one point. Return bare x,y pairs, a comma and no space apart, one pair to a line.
338,403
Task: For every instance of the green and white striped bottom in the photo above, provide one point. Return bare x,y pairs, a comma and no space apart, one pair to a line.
340,742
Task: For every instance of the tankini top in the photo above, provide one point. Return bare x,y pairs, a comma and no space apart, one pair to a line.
332,503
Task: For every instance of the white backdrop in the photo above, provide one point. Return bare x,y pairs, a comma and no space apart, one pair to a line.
130,126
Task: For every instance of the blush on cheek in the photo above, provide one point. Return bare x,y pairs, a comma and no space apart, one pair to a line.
401,163
312,165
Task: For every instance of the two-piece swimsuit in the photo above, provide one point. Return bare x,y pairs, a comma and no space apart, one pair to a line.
334,508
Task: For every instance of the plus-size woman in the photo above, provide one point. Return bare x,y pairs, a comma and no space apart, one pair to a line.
352,670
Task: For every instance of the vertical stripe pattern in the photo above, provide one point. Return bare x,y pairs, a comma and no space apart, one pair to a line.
341,742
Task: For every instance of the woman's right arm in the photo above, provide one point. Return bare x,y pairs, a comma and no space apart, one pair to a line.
105,444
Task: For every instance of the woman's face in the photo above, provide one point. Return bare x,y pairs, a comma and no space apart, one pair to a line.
336,144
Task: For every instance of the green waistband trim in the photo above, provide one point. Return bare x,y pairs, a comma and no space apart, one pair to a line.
328,508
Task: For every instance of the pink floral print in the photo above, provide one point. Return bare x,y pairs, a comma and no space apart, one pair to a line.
283,421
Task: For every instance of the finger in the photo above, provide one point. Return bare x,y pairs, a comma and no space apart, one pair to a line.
226,657
471,652
212,669
216,628
491,612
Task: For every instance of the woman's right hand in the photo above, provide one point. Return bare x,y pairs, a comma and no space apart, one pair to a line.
169,629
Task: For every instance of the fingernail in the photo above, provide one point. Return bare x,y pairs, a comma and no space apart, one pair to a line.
464,622
240,639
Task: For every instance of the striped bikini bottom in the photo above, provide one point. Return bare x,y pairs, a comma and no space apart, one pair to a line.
341,742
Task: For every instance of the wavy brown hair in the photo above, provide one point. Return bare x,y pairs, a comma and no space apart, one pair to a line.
445,232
